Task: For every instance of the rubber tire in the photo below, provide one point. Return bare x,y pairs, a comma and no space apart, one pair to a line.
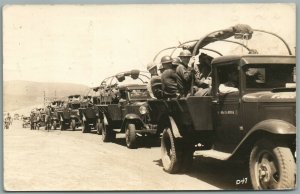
108,135
54,125
282,155
99,127
73,124
85,127
62,126
130,136
171,152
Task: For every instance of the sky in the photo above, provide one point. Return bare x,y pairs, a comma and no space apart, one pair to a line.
86,43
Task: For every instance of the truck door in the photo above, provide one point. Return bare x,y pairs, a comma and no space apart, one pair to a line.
227,106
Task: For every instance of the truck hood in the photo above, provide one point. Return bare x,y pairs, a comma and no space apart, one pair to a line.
270,97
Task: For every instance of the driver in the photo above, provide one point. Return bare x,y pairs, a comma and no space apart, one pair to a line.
231,85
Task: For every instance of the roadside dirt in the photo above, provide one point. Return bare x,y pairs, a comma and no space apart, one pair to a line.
37,160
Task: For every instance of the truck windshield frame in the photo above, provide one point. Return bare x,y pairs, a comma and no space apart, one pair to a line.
268,76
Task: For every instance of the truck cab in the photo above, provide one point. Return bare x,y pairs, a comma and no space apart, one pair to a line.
266,92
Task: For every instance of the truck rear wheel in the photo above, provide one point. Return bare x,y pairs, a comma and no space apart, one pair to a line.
272,166
171,152
54,126
130,136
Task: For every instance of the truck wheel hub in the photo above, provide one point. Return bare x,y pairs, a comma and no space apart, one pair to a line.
264,172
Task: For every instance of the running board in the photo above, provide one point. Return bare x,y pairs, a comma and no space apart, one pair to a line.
213,154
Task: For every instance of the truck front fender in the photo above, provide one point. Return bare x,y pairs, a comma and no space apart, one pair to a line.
274,126
268,128
131,118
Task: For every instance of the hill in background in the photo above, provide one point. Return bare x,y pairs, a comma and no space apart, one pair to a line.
20,94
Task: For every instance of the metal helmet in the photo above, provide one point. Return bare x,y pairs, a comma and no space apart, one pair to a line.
166,59
185,53
176,61
150,66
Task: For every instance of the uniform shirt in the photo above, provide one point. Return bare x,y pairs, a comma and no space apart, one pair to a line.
228,87
156,87
149,88
169,82
183,79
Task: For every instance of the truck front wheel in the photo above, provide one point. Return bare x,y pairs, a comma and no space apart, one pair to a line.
272,166
85,127
99,127
130,136
171,152
73,124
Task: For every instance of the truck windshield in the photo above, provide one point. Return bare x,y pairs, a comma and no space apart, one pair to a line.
139,94
269,76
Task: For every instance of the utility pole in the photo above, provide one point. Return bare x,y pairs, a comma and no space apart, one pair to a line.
44,98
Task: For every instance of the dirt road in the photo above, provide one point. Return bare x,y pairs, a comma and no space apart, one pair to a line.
69,160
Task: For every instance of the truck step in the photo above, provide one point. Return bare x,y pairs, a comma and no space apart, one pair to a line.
213,154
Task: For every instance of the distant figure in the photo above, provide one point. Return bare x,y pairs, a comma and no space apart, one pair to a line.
7,121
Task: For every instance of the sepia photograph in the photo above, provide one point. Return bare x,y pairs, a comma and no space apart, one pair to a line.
149,97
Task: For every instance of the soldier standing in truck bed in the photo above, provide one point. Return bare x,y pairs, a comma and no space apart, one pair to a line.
202,75
183,71
169,78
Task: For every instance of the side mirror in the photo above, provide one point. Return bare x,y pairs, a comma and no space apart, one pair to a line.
135,74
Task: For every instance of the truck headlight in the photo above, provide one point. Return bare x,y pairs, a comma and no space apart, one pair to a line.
143,110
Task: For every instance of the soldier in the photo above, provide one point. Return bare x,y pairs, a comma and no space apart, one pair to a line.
161,69
32,120
202,75
154,86
231,85
169,78
47,117
183,72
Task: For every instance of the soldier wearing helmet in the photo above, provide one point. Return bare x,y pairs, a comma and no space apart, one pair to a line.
154,87
183,71
152,68
186,58
161,69
169,77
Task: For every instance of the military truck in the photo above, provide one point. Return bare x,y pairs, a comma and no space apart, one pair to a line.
53,114
69,114
255,122
124,109
89,113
